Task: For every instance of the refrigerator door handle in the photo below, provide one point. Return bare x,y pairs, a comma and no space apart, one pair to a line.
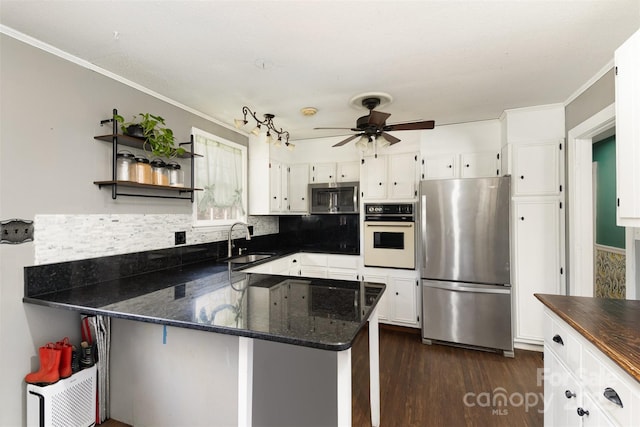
423,227
466,287
398,225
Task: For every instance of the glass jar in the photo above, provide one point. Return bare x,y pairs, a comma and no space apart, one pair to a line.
176,175
125,166
159,172
143,171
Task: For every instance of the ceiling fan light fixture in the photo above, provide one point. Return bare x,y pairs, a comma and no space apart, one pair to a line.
362,142
382,142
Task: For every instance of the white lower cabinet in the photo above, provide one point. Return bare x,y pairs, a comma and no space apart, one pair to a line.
578,378
400,302
536,263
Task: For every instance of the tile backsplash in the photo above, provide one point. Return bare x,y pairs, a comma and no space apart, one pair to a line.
60,238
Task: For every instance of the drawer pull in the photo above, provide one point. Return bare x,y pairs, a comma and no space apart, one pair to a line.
569,394
557,338
583,412
612,396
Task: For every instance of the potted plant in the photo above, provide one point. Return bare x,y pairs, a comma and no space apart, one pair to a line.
152,128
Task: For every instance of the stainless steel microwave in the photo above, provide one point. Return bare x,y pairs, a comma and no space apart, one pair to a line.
335,198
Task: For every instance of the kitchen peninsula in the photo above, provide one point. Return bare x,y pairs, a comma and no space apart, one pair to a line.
293,315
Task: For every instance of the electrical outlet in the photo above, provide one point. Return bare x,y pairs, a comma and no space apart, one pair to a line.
16,231
181,237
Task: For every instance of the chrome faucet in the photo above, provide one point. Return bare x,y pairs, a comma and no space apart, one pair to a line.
230,242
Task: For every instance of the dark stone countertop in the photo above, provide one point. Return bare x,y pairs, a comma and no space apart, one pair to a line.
609,324
319,313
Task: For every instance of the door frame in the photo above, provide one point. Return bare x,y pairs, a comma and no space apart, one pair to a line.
580,214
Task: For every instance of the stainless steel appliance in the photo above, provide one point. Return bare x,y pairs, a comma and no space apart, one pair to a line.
465,268
334,198
389,235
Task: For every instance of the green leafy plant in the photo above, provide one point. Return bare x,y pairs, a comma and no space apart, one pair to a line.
157,136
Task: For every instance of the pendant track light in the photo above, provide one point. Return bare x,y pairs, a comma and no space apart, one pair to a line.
274,135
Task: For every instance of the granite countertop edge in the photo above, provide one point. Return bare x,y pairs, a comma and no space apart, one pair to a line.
610,347
201,327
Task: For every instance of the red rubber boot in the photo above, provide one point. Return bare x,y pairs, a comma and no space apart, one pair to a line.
65,357
49,366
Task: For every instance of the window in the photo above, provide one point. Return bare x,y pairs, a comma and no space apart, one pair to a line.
222,174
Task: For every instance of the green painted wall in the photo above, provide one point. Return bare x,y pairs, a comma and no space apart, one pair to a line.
607,232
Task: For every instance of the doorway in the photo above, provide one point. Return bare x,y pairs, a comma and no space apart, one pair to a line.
580,215
609,238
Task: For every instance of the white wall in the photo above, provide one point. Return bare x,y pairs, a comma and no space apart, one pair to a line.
461,138
50,110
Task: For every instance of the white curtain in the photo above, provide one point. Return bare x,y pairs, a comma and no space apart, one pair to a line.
219,172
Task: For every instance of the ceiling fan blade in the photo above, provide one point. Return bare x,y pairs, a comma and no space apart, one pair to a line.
428,124
392,139
334,128
378,118
344,141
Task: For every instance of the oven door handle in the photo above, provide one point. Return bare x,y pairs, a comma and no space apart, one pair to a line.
389,225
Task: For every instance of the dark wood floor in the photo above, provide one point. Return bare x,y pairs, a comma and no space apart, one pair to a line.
435,385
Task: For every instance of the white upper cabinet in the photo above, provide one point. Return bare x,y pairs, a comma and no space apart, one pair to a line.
322,172
536,169
298,178
442,166
392,176
476,165
334,172
348,171
627,59
461,165
275,186
277,191
402,176
373,178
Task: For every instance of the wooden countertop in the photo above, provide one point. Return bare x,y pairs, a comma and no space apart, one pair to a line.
612,325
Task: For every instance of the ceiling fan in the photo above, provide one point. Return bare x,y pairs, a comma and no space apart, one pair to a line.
373,125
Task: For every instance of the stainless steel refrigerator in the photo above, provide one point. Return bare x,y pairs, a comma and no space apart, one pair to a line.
465,268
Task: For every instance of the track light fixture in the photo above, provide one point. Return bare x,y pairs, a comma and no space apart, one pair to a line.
277,136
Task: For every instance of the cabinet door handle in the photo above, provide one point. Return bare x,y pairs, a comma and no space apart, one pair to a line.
569,394
449,166
612,396
397,293
467,165
557,338
583,412
521,176
395,183
521,218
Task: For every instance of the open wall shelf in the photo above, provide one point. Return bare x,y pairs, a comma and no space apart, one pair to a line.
117,139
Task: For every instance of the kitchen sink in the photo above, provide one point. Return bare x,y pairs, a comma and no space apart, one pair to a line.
247,259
